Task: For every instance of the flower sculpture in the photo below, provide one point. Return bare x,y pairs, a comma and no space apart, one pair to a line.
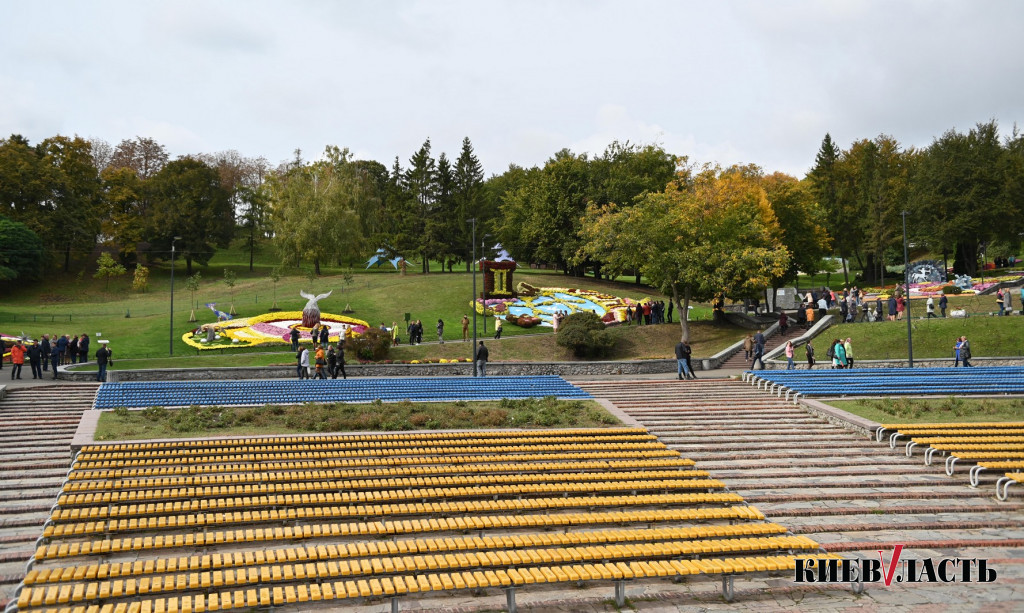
272,329
311,312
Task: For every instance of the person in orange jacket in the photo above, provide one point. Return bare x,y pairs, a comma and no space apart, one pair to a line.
17,359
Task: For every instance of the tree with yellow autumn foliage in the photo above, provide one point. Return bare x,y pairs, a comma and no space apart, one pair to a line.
710,232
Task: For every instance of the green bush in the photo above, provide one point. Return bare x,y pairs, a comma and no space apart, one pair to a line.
951,289
585,334
372,345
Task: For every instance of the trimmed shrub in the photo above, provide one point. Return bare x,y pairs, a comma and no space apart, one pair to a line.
371,345
585,334
952,289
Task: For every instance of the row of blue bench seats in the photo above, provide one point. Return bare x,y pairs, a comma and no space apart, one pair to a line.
174,393
899,381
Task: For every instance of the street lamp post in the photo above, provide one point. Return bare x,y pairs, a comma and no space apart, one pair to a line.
906,286
176,238
483,256
472,352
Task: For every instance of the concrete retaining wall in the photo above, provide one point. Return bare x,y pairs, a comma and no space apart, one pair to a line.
565,369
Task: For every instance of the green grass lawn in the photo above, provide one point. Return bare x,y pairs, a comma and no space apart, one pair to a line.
633,343
67,304
938,410
193,422
933,338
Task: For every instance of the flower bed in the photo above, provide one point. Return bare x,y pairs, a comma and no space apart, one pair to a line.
271,329
423,361
543,302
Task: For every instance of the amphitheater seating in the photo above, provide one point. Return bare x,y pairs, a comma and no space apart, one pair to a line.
989,445
289,391
242,523
893,381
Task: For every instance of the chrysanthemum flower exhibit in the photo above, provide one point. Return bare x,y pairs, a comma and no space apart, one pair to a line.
529,306
275,328
526,306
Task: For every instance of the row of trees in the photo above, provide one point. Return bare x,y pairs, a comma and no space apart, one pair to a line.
340,209
962,195
73,193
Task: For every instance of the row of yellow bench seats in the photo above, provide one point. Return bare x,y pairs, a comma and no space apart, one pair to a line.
106,546
961,432
141,520
522,470
356,549
361,449
429,582
144,468
130,492
967,440
351,492
380,566
387,436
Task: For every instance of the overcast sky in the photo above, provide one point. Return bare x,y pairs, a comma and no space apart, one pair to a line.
730,82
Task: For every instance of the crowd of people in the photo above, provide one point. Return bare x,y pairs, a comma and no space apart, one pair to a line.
48,352
649,313
324,364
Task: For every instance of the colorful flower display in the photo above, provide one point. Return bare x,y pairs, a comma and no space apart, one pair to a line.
544,302
270,329
924,290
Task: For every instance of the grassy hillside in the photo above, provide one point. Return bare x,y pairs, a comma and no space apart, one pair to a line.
933,338
138,324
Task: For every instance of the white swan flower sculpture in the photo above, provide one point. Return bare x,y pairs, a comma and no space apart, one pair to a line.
311,312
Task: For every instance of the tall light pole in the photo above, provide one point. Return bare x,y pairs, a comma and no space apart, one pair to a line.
176,238
906,285
483,256
473,350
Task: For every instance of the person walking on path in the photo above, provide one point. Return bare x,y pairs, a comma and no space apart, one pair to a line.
748,347
35,360
848,350
1008,306
303,363
341,360
17,359
465,328
295,339
682,361
497,328
102,359
481,360
758,350
809,350
965,351
332,362
83,349
999,302
838,354
320,362
55,359
789,355
929,307
943,303
440,331
44,350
